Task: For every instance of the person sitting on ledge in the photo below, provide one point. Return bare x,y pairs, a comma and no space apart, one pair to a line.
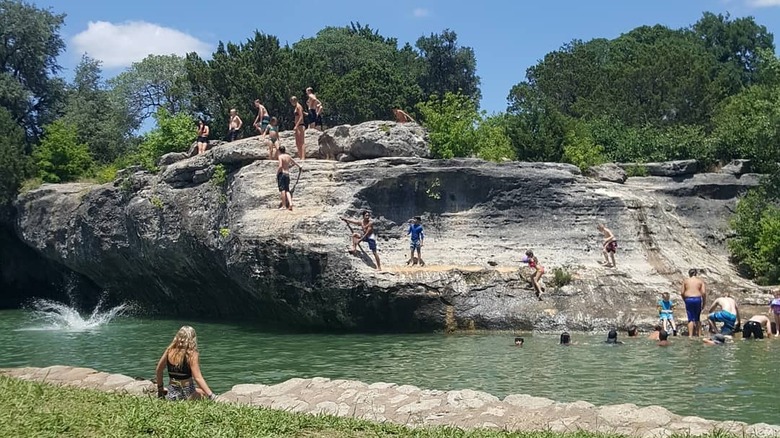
402,117
181,358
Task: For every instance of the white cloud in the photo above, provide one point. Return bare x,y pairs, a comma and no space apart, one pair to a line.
420,12
763,3
119,45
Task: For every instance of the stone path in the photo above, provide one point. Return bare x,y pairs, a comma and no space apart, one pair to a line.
412,406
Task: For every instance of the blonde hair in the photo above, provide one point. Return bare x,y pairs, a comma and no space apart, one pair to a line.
294,99
184,344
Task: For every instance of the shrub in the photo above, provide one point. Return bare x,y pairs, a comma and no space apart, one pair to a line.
172,134
219,177
756,247
561,277
580,149
59,157
14,164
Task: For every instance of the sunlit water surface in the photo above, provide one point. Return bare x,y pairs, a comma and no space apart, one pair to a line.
740,381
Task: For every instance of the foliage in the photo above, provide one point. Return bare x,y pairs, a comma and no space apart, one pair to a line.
448,67
756,246
219,177
433,191
580,149
637,170
224,232
99,121
158,81
561,277
14,164
172,134
29,89
493,143
157,202
60,157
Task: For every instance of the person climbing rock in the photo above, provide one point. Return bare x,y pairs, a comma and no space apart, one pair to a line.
694,294
755,327
536,277
608,246
367,235
283,177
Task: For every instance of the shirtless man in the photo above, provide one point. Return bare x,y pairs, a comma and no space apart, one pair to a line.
367,235
283,177
401,116
315,109
694,294
728,315
300,127
754,327
262,120
609,246
234,125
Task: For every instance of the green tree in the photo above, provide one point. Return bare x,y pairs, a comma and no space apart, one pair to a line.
493,143
448,67
535,126
173,133
158,81
29,89
14,164
100,122
60,157
756,245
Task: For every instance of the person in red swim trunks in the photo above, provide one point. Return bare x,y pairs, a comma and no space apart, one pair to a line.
609,246
536,277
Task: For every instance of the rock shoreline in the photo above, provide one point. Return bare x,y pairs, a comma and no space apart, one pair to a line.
411,406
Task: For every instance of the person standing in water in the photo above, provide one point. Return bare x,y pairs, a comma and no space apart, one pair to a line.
300,127
283,177
774,307
203,136
182,360
753,328
609,246
728,314
694,294
368,235
536,277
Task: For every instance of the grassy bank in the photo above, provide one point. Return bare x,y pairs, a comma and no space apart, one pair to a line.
30,409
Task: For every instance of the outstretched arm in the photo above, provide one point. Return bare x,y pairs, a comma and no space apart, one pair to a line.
350,221
158,374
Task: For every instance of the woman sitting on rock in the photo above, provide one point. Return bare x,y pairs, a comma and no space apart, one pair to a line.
182,360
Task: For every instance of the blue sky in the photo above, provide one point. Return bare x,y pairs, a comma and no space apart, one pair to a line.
507,36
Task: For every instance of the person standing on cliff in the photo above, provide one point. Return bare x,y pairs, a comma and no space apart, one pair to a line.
315,109
283,177
203,136
417,238
728,314
609,246
367,235
300,127
234,125
401,116
694,294
262,120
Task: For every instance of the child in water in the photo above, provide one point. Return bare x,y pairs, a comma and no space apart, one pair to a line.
536,277
774,306
666,312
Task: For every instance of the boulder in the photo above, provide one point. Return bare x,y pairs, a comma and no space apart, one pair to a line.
666,168
171,157
738,167
608,172
374,139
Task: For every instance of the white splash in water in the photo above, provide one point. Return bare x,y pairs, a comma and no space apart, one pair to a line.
58,316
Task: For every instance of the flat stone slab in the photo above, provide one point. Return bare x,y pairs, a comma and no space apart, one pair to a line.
411,406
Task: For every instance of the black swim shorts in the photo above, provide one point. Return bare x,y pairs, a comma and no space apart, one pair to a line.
752,328
283,181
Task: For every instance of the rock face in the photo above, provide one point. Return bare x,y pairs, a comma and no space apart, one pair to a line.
374,139
667,168
412,406
189,242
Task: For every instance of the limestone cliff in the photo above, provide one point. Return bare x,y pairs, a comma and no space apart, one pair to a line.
183,242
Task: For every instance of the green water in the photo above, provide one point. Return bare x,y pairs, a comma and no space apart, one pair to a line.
740,381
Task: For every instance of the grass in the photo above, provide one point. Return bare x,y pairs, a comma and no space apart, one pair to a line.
33,409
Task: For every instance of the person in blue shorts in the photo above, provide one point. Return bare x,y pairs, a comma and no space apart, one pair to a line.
666,313
367,235
726,311
417,239
694,294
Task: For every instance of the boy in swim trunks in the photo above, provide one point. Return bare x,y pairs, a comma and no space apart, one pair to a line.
753,328
417,238
728,314
283,177
666,312
774,307
315,109
368,235
234,126
263,118
609,246
694,294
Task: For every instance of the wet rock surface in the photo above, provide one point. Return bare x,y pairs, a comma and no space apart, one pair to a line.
412,406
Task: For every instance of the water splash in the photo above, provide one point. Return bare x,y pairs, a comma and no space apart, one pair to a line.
53,315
